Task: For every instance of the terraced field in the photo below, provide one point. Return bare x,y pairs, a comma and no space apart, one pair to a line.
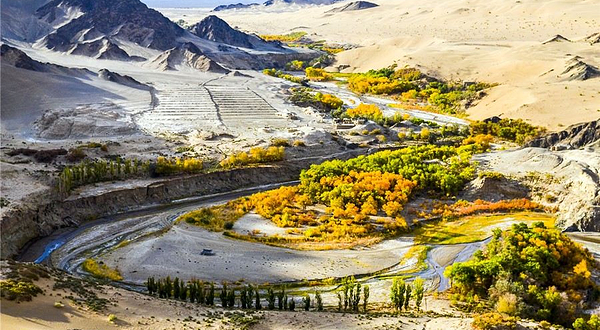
242,107
205,107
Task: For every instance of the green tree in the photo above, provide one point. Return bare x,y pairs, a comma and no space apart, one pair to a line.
319,301
397,293
366,292
306,302
419,287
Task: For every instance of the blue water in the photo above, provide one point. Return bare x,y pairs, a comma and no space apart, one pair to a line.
49,249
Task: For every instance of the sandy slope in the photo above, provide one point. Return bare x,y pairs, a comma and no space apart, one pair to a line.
137,311
495,41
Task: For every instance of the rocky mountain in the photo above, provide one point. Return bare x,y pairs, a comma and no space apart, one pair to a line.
215,29
575,136
104,49
301,2
235,6
352,6
270,3
186,55
17,58
81,21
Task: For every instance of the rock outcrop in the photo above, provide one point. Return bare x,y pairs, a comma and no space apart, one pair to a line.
592,39
556,38
122,79
352,6
567,180
127,20
576,69
186,55
494,189
575,136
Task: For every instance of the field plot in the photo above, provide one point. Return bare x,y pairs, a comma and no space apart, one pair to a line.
240,107
182,108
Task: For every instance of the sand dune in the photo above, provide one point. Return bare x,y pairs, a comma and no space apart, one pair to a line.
493,41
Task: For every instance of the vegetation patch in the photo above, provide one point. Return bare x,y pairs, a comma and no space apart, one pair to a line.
514,130
19,290
339,203
256,155
473,228
307,97
100,270
217,218
412,86
290,37
528,271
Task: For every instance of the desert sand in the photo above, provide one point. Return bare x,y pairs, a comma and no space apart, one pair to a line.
491,41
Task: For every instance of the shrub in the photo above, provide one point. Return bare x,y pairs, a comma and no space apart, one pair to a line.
315,74
18,290
299,143
75,155
494,321
280,142
256,155
367,111
100,270
112,318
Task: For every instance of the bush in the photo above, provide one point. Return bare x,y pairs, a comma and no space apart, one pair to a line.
280,142
75,155
18,290
256,155
299,143
315,74
100,270
494,321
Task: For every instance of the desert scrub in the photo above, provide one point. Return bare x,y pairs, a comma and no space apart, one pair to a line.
112,318
19,290
81,288
100,270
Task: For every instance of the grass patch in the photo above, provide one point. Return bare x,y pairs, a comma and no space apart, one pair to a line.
474,228
100,270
